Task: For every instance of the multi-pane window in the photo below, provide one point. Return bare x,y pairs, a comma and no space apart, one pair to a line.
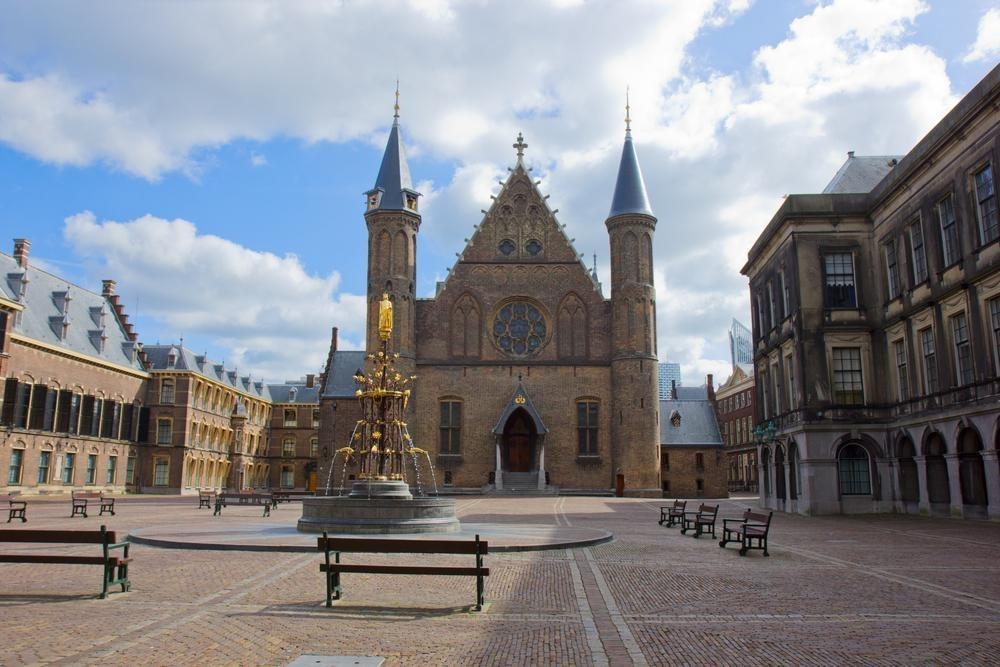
74,414
848,387
986,200
963,350
91,469
287,477
855,477
770,305
130,469
166,390
784,295
16,463
892,269
22,400
995,326
111,470
44,460
314,447
161,471
918,253
760,317
288,447
950,249
450,429
68,464
586,427
315,418
291,419
929,353
790,381
775,391
841,291
49,419
902,377
164,434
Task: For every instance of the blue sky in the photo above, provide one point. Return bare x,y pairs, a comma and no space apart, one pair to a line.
212,158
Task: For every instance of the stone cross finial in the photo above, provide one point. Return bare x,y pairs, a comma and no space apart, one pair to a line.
520,146
395,107
628,114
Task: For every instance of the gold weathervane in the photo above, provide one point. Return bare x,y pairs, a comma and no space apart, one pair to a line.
385,317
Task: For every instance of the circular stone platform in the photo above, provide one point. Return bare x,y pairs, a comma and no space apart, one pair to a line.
282,537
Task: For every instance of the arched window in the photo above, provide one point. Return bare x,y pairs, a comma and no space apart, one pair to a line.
400,252
465,327
855,471
909,485
938,485
631,257
572,331
971,472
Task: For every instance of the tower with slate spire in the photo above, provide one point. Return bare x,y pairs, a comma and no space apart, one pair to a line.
635,404
393,220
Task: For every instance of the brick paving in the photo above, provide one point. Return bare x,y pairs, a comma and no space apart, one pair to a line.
888,590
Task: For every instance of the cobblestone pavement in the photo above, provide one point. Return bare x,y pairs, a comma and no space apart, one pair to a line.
835,590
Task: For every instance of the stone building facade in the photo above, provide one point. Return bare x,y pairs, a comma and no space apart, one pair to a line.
736,408
73,383
294,434
527,373
876,324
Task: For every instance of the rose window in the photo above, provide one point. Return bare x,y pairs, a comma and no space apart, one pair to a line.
519,329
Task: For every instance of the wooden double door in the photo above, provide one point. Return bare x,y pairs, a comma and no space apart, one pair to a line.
519,442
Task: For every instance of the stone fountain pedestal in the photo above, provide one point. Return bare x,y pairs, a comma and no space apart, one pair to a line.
378,508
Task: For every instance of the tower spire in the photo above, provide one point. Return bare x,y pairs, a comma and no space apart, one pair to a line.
630,188
393,190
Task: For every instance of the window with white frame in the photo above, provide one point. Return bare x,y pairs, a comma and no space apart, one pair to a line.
164,432
69,463
770,305
111,470
918,253
16,466
91,469
855,471
784,295
287,476
775,389
951,251
963,350
986,205
166,390
902,377
838,270
315,418
288,447
848,384
790,381
130,468
313,447
929,352
891,269
44,461
291,419
161,471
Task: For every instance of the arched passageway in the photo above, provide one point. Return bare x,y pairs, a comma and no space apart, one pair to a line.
909,483
938,488
971,473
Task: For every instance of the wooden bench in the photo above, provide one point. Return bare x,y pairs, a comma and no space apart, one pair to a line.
753,526
700,520
672,514
205,499
16,508
81,498
115,567
225,499
338,545
289,496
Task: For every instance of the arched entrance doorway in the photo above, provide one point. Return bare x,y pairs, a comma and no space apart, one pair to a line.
971,472
938,489
909,484
518,442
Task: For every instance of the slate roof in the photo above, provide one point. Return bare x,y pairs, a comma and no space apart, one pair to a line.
186,360
293,392
394,173
861,173
340,377
698,423
692,393
630,189
89,314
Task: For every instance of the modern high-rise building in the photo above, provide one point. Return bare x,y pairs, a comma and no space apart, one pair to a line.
669,371
740,348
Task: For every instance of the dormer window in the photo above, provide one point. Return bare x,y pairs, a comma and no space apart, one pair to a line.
675,419
374,198
411,202
172,359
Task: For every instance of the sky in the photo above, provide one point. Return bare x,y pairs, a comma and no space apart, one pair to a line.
212,157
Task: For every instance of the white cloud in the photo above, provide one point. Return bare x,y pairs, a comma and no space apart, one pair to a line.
267,310
258,160
987,44
145,90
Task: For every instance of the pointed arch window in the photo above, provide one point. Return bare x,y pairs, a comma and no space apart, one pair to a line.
572,330
465,327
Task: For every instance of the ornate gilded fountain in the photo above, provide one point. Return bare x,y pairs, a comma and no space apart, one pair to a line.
381,498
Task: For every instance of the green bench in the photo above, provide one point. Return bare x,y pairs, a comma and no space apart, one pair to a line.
225,499
339,545
82,498
115,567
16,508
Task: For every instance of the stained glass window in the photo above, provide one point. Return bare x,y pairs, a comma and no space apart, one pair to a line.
519,329
507,247
534,247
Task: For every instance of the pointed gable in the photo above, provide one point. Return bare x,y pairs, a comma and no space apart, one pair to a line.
519,400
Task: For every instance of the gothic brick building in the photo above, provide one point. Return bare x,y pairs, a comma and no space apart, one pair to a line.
527,375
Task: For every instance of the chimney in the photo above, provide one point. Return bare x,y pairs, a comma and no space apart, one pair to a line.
107,287
310,380
673,389
22,248
711,387
850,154
333,340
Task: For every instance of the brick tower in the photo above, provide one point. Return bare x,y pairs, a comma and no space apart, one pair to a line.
635,406
393,221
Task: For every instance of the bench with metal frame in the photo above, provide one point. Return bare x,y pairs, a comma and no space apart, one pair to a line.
672,514
16,508
206,498
700,520
225,499
82,498
289,496
115,567
753,526
339,545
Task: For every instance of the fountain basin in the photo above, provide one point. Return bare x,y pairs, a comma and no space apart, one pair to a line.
378,515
